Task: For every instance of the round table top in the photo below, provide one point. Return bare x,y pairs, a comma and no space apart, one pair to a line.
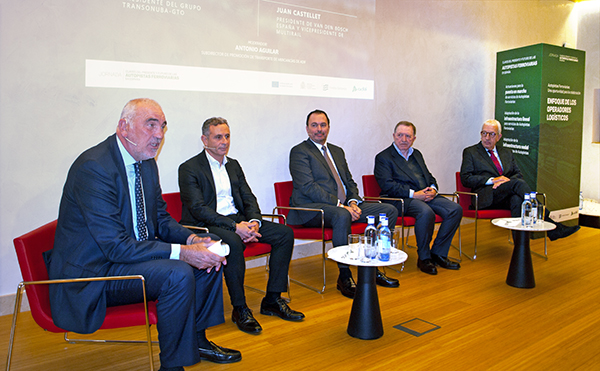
515,225
340,255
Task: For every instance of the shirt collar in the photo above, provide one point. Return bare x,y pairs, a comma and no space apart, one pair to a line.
213,161
319,146
127,158
410,151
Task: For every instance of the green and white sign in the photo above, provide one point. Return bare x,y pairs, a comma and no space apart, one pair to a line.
539,102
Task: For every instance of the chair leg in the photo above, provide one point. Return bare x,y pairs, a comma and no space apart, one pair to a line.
475,247
545,256
324,260
13,328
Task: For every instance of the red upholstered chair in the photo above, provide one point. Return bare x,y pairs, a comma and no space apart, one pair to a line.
253,250
29,248
283,192
464,199
372,191
469,212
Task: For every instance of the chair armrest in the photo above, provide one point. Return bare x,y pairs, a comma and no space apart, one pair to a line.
388,199
304,209
453,196
458,193
279,217
193,227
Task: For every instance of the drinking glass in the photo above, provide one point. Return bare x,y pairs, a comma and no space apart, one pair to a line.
353,246
367,248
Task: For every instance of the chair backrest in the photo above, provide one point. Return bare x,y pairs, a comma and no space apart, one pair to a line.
29,248
370,186
174,204
464,201
283,193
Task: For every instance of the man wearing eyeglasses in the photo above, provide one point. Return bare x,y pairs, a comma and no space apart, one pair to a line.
491,172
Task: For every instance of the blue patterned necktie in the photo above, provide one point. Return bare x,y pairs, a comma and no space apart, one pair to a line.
139,205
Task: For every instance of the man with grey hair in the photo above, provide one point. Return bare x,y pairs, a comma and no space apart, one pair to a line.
215,195
492,172
113,222
401,172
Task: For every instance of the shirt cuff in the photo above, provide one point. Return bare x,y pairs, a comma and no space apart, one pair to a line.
175,251
411,193
490,181
256,220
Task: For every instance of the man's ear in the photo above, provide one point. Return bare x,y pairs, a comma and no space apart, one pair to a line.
123,127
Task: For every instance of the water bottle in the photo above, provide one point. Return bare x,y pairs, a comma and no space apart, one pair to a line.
526,211
384,240
534,208
580,200
371,231
381,217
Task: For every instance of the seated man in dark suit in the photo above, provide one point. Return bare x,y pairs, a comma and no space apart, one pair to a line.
215,195
113,221
322,180
401,172
492,172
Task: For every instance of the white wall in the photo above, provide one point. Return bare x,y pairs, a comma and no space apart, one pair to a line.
434,65
588,39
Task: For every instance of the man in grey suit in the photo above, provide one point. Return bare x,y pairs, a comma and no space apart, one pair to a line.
322,180
491,172
401,172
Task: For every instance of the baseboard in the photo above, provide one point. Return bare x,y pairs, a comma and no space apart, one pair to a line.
7,304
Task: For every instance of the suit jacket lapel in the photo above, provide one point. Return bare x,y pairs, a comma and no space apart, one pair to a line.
318,153
204,167
120,165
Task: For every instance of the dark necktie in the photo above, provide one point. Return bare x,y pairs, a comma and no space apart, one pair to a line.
139,205
495,161
341,192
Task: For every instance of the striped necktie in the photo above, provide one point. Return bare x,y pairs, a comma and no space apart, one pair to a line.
495,161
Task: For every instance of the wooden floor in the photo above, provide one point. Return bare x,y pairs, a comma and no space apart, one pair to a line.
477,322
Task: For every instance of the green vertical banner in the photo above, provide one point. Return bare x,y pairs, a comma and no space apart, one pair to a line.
539,102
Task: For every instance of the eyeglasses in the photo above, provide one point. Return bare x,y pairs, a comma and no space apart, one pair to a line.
486,133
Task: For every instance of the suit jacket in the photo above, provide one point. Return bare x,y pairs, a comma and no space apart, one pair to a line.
95,231
313,179
199,197
394,176
477,167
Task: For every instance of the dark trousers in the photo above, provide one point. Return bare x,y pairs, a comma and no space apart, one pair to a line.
509,196
340,220
281,239
424,214
188,300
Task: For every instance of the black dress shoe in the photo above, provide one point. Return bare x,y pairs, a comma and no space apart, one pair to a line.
562,231
385,281
245,321
347,287
281,310
444,262
163,368
219,354
427,266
